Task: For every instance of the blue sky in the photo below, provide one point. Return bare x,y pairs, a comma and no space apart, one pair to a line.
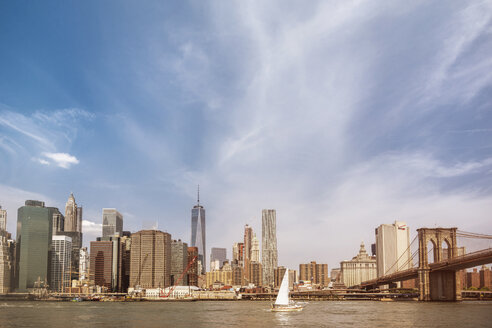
341,115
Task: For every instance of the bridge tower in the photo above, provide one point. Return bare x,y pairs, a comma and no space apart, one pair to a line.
440,285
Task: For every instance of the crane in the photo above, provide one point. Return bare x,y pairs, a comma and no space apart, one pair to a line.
171,289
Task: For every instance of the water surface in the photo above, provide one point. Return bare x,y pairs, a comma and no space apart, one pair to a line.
244,314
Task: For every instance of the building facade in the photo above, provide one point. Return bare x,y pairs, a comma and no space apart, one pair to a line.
3,219
58,221
269,256
33,245
6,263
150,259
361,268
101,264
279,275
84,261
316,273
193,271
61,260
255,249
217,258
393,252
248,242
198,233
179,262
255,274
112,222
223,276
73,215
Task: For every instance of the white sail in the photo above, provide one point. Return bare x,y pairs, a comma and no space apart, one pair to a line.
283,293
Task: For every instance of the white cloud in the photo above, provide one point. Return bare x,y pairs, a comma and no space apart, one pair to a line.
63,160
43,161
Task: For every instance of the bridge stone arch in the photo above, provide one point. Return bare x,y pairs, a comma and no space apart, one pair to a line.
435,286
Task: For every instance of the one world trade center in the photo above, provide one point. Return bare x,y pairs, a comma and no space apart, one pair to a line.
198,232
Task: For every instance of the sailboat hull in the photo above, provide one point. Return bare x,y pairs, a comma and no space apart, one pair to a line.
287,308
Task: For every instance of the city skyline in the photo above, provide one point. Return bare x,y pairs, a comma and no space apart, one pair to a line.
341,116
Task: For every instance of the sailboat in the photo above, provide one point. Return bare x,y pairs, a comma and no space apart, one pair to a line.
283,303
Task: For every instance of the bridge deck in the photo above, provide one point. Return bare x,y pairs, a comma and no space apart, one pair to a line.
456,263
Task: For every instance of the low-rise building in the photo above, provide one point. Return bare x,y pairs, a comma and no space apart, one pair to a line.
361,268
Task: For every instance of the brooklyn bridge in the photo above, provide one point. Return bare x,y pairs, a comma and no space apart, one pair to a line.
439,279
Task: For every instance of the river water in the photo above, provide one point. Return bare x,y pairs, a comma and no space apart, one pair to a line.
244,314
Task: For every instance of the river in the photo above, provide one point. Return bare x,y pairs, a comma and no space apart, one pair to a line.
244,314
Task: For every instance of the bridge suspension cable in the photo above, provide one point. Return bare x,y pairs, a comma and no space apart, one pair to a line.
465,234
405,252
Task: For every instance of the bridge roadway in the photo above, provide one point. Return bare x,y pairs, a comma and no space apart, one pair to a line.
455,264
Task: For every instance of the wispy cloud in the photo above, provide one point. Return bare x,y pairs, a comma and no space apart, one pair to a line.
63,160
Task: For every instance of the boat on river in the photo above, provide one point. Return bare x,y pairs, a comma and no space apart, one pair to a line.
283,303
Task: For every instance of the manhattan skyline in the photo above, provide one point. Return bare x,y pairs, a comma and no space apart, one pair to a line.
341,116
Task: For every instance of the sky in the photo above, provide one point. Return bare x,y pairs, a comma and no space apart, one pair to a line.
341,115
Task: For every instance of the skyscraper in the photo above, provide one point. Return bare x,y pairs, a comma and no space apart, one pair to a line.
73,215
106,263
255,249
392,248
72,228
193,271
84,264
3,219
61,253
34,233
316,273
150,259
269,246
112,222
198,233
248,238
58,221
219,255
179,262
6,265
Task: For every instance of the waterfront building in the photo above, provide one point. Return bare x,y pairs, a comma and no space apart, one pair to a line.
150,259
33,245
126,242
269,246
473,279
84,260
112,222
61,253
255,274
101,263
255,249
58,221
316,273
238,276
198,233
335,274
279,275
179,262
193,271
223,276
3,219
485,277
218,255
293,278
6,265
392,248
238,253
361,268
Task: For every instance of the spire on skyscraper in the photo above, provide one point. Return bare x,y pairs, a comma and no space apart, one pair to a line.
198,198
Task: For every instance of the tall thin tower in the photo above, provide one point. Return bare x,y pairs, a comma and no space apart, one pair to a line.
269,256
198,232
